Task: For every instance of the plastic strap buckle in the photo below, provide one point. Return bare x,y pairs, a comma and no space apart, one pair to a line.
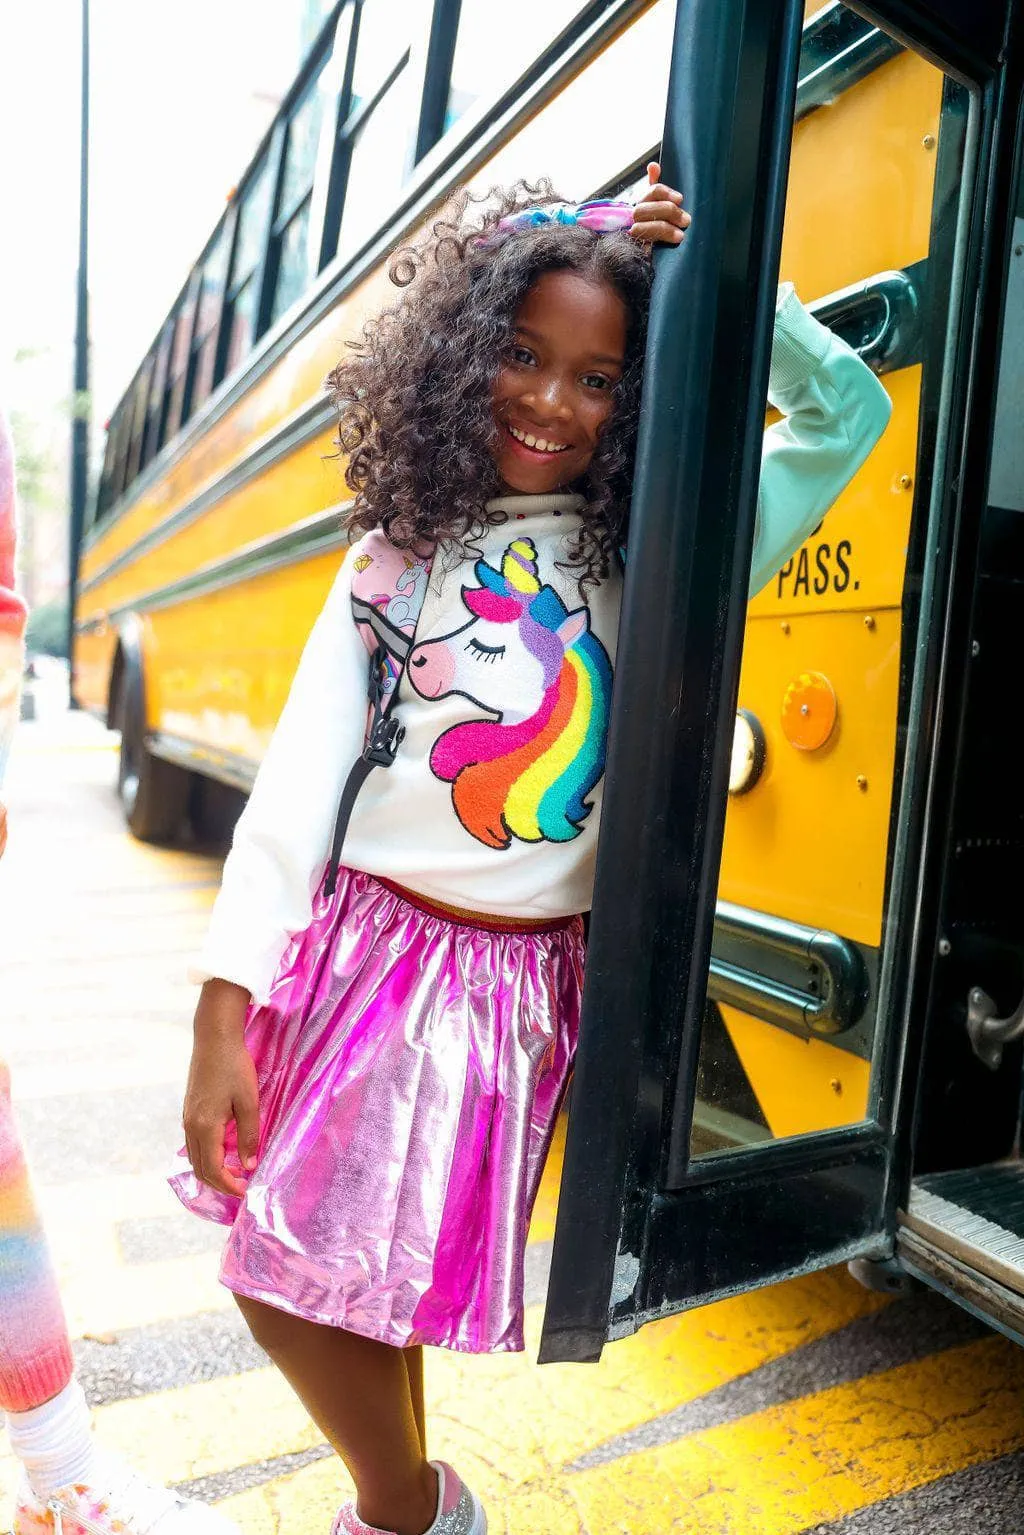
386,736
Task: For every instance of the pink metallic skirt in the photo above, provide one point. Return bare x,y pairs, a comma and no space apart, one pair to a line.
411,1066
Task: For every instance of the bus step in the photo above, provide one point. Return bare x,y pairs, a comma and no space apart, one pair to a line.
977,1215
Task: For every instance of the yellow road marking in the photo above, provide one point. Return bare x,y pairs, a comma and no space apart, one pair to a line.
302,1501
210,1427
542,1226
536,1421
820,1458
192,1431
101,1294
556,1413
116,1299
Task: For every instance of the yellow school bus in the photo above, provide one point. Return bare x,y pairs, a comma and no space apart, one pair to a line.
217,525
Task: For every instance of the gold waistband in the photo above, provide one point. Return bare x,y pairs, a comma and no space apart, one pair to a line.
481,919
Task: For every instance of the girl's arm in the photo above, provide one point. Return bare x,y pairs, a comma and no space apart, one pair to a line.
834,407
834,412
283,837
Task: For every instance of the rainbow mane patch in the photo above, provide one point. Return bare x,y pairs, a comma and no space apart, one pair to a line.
526,778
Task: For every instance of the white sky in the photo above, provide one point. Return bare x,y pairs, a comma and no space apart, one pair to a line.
181,95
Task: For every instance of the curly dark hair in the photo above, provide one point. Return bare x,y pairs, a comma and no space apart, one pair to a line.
414,392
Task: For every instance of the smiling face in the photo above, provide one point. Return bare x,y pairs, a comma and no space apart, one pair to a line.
553,396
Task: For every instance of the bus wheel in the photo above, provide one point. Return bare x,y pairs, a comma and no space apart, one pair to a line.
213,810
153,793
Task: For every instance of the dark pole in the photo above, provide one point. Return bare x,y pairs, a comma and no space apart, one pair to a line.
80,403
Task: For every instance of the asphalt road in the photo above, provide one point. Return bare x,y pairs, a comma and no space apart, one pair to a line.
812,1406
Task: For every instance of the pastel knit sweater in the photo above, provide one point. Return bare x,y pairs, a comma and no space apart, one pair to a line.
35,1354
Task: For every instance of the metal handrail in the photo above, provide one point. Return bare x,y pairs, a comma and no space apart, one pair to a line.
879,317
844,992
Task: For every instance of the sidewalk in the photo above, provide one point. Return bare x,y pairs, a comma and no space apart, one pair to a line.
811,1406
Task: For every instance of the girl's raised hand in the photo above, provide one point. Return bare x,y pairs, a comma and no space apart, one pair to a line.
659,218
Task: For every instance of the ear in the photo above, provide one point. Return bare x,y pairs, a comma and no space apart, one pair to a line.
492,580
570,629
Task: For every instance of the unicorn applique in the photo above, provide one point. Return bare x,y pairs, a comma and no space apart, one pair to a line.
525,658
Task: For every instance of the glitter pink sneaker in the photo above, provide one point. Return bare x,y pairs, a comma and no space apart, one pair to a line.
459,1512
118,1502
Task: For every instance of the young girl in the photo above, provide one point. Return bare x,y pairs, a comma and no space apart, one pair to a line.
377,1070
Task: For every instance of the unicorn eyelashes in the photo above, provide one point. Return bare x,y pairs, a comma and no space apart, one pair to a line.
486,652
537,667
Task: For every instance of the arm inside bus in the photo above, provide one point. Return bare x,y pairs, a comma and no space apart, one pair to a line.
834,411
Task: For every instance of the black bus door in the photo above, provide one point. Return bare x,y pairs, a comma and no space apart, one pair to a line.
671,1195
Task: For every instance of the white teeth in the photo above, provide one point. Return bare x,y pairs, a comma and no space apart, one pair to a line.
537,443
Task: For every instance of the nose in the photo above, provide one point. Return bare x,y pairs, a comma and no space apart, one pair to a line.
549,398
431,669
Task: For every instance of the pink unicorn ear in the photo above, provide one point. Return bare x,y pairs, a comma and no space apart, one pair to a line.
570,629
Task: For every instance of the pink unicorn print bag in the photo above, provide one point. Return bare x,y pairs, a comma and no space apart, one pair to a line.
388,587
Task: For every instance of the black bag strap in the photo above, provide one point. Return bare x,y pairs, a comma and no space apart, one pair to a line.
383,739
384,734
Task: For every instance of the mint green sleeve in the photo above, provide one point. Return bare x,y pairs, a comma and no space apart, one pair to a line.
834,411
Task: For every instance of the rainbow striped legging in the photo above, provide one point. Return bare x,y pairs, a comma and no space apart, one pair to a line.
35,1354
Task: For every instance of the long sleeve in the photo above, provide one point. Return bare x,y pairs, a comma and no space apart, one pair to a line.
283,836
834,411
12,609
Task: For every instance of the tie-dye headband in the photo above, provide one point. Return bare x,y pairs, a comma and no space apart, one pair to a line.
603,216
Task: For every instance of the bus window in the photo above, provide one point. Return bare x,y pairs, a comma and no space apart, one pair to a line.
482,69
1006,479
293,254
797,958
119,437
155,407
180,353
250,241
107,494
207,328
139,398
381,120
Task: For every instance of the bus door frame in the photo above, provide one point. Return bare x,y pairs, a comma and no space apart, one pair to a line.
644,1231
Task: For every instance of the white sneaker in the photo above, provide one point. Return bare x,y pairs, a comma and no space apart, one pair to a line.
459,1511
118,1501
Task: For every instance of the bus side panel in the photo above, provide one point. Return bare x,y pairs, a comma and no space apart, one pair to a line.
225,661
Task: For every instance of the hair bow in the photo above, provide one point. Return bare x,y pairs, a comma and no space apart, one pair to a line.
603,216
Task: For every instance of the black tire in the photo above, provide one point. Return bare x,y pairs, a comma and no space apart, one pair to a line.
213,810
153,793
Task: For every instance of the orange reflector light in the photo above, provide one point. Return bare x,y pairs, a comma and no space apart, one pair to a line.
809,710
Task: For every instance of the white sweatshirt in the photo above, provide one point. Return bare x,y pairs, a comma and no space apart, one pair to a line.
494,800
